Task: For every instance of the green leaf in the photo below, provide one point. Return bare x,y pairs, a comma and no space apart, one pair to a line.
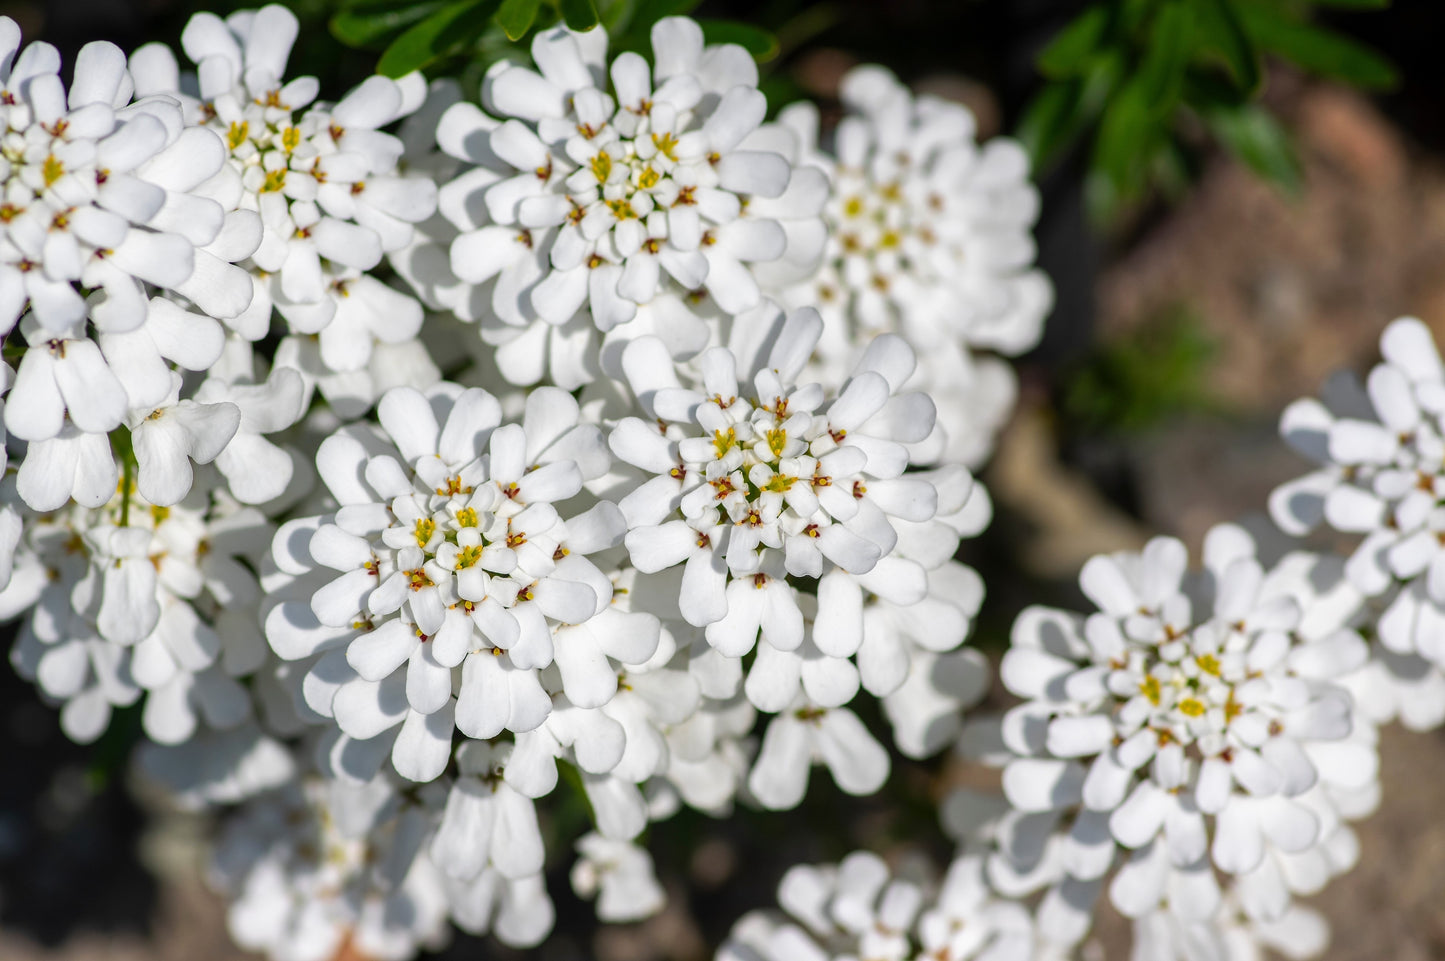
1355,4
1071,50
1127,137
1222,34
516,17
579,14
1317,50
368,24
1161,75
1052,121
755,40
448,30
1255,137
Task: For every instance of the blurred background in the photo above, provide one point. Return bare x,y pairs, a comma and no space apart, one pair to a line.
1232,209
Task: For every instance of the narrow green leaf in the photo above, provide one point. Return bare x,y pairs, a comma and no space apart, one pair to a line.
1355,4
1052,121
1161,74
1222,36
448,30
1127,135
1256,138
1317,50
755,40
1069,53
364,25
579,14
516,17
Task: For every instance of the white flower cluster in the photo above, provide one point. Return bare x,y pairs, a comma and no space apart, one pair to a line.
860,909
1381,454
929,236
389,613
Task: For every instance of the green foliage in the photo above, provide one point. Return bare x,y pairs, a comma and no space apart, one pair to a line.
1149,76
448,37
1132,383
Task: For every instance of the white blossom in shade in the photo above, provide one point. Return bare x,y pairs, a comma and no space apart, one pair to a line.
256,469
139,599
619,876
320,867
352,393
166,439
1381,454
929,233
860,909
1299,933
447,567
94,195
322,178
750,486
487,821
1183,723
218,767
802,735
618,199
518,911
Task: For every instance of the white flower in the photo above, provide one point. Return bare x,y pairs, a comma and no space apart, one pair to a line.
448,565
323,182
94,191
1183,722
805,734
860,909
752,486
581,198
929,234
619,875
322,864
1382,456
136,602
168,437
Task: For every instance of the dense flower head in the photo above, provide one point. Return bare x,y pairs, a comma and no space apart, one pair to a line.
95,194
317,866
752,486
447,556
652,194
1381,451
860,909
1191,722
321,177
131,598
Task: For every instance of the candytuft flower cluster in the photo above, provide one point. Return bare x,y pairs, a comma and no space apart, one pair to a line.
456,487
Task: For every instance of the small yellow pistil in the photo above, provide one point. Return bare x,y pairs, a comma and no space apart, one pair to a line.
425,528
467,517
777,440
240,131
1192,707
468,556
601,166
622,209
779,484
159,515
666,145
290,138
275,180
1150,689
1208,663
724,441
418,579
52,170
648,178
